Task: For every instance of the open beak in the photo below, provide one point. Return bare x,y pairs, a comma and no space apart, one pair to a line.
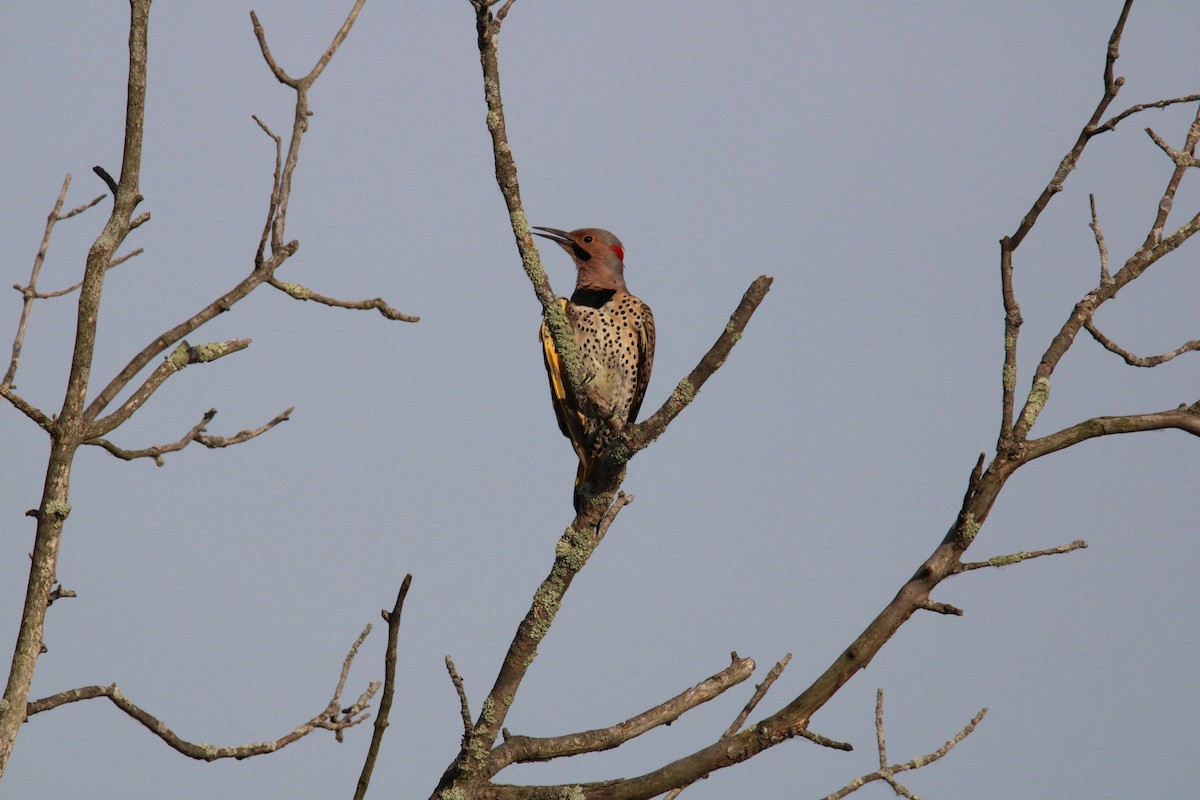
555,235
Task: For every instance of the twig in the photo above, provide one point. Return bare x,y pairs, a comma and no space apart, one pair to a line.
59,593
197,434
183,355
61,292
463,706
760,691
300,118
304,293
392,619
1134,109
611,514
1181,158
108,180
521,749
273,205
644,433
887,773
333,717
940,608
358,707
1105,277
1138,361
26,408
824,741
29,292
1017,558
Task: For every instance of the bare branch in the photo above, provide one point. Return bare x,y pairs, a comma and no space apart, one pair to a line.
29,292
461,690
610,515
197,434
304,293
183,355
273,205
647,431
73,287
887,773
176,334
108,180
1138,361
1134,109
389,687
520,749
760,691
1016,558
283,184
58,594
941,608
26,408
824,741
1184,418
333,717
1183,159
1105,277
880,739
359,706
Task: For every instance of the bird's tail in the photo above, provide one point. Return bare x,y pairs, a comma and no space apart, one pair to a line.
581,476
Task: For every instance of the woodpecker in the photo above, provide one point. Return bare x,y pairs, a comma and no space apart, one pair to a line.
614,332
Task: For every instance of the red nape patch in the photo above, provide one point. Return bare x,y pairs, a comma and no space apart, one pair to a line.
620,251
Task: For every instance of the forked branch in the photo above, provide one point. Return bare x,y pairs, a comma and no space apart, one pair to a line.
198,434
887,772
333,717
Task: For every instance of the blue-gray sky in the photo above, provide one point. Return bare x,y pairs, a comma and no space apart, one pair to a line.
867,155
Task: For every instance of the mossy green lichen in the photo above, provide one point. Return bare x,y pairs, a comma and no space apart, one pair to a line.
685,391
493,120
573,548
970,528
453,794
519,223
1038,396
57,508
207,352
572,793
180,357
296,290
1011,558
488,712
1010,378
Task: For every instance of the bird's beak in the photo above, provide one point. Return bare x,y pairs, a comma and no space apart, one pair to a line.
555,235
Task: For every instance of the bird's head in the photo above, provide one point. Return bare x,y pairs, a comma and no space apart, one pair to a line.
598,254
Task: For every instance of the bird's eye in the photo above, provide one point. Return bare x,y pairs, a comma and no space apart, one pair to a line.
587,240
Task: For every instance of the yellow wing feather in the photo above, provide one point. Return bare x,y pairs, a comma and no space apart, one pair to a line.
570,419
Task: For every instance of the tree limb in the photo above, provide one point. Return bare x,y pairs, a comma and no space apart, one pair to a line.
1017,558
392,619
183,355
521,749
887,773
197,434
29,291
333,717
299,292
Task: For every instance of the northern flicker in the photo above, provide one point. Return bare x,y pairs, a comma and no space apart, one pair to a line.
614,332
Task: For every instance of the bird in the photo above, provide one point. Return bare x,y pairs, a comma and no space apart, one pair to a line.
614,332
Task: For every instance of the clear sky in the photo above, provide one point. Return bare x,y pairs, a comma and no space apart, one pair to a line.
868,155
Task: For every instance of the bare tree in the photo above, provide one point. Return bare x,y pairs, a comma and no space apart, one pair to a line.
471,774
86,419
487,746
